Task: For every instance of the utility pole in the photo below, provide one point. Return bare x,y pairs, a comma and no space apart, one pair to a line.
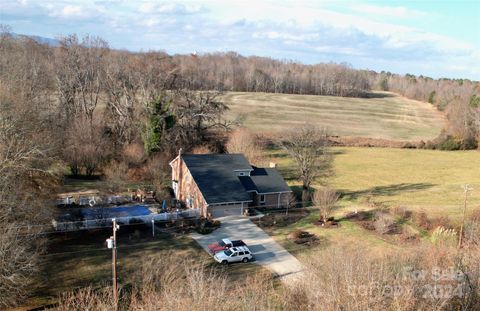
115,227
466,190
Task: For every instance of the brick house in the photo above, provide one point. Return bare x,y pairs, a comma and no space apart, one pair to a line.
225,184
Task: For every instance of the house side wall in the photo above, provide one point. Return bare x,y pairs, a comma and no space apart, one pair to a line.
187,187
271,200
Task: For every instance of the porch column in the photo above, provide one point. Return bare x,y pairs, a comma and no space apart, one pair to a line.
278,203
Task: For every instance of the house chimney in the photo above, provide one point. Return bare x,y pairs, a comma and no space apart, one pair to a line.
273,165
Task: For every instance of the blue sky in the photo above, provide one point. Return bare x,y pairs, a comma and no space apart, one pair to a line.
434,38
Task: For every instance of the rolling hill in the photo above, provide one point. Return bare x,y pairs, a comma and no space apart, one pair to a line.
384,115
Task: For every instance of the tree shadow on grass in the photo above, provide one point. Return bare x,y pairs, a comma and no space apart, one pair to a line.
378,95
389,190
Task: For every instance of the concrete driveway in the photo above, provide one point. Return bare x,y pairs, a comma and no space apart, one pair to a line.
267,252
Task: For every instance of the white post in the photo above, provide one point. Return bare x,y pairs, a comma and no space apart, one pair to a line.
153,227
242,209
278,203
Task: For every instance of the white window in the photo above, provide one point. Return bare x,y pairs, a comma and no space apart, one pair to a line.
262,198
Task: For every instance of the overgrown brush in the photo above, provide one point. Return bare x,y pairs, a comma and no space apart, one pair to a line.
430,277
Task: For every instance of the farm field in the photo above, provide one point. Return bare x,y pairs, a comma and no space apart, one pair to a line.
417,179
385,115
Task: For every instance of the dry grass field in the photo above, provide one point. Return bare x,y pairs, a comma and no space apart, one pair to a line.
80,259
384,115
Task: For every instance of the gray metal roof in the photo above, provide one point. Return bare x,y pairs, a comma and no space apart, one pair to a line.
216,177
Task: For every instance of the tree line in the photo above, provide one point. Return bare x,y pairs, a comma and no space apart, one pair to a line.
458,98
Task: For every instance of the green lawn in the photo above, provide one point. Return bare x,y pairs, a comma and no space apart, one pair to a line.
346,234
386,116
418,179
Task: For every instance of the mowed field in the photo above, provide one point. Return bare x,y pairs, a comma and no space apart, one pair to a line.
385,115
417,179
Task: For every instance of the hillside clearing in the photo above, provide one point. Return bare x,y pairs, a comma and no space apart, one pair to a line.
385,115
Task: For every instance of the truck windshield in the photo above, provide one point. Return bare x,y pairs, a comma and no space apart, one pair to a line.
228,252
221,243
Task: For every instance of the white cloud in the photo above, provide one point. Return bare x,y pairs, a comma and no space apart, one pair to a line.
392,11
168,8
73,11
285,36
306,31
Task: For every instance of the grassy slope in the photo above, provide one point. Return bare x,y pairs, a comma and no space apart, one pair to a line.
417,179
387,116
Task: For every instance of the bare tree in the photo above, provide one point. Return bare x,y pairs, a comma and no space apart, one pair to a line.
18,264
85,147
308,146
325,199
80,74
243,141
26,175
200,111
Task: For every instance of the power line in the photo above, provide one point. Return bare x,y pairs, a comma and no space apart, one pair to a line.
102,227
97,249
131,217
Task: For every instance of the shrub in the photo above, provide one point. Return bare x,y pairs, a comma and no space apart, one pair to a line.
444,236
115,173
409,145
401,212
431,97
297,234
302,237
203,149
430,145
133,154
449,144
475,215
206,226
421,220
442,221
361,280
469,143
407,236
86,299
384,223
472,233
